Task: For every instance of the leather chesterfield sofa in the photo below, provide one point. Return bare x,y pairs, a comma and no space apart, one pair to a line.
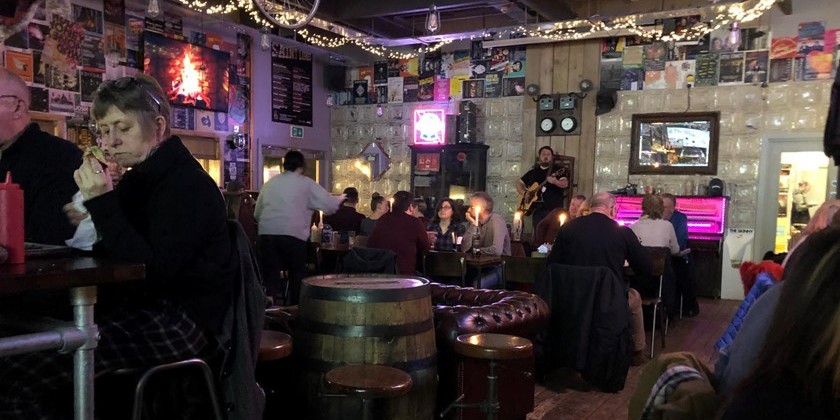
464,310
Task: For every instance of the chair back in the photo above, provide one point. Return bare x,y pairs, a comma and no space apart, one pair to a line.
369,260
444,264
361,240
523,269
657,254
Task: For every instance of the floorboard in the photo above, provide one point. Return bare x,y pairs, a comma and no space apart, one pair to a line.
564,398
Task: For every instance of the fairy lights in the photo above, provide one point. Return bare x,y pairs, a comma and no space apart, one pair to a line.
721,16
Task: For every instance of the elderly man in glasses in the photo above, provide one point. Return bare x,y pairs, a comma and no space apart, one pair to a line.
41,163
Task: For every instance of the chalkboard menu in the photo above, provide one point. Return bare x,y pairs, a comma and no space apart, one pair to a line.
706,70
291,86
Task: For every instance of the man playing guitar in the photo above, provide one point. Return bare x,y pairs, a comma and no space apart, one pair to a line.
550,195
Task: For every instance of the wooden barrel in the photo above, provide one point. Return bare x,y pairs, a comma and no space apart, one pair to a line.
367,319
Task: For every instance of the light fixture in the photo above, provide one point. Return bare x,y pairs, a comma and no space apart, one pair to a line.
433,20
153,9
265,39
379,110
734,38
330,100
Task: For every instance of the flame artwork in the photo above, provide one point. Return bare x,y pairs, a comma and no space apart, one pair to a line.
192,75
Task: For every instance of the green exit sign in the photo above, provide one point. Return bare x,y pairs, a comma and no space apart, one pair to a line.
297,132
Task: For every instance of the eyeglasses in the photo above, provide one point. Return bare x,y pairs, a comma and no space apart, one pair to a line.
445,207
125,83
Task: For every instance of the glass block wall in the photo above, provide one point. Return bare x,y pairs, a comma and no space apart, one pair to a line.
354,126
747,113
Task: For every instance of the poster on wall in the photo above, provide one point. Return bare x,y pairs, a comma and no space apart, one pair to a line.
360,92
680,73
706,70
757,63
380,72
291,86
781,70
654,57
731,68
395,90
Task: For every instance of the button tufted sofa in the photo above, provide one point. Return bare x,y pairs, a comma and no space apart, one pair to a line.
462,310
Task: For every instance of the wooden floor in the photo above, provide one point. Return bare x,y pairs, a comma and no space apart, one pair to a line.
557,401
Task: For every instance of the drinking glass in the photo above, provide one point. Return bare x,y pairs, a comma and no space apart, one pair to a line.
351,238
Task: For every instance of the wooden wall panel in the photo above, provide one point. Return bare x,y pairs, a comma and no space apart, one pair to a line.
559,69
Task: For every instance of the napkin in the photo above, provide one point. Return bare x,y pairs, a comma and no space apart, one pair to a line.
85,235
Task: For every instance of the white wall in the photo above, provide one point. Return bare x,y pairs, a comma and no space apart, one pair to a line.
803,11
265,131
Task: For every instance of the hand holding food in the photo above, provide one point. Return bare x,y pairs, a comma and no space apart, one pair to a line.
91,176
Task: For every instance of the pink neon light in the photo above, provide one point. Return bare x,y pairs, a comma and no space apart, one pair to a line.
429,126
706,215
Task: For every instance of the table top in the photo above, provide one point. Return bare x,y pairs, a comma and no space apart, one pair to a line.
481,260
63,272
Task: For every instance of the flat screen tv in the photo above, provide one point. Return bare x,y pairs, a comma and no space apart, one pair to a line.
684,143
190,75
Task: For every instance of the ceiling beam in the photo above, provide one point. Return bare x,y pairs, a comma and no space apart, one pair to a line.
786,6
348,10
551,10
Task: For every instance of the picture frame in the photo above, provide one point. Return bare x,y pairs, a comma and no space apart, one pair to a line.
675,143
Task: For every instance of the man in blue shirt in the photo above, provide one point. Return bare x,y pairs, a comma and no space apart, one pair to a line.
685,280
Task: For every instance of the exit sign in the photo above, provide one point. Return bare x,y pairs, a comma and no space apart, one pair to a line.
297,132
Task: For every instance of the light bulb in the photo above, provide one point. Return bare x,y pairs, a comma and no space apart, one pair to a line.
153,9
265,40
433,20
330,101
734,38
379,110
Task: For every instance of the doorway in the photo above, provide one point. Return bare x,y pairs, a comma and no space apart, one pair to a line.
273,162
795,177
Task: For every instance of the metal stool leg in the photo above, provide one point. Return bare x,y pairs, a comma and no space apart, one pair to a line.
139,392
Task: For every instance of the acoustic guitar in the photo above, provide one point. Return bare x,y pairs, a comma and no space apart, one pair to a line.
532,193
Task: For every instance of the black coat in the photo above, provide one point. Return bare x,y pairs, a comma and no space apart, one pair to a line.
590,324
43,165
831,137
596,240
169,214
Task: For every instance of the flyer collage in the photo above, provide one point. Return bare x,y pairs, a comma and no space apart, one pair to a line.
463,74
757,57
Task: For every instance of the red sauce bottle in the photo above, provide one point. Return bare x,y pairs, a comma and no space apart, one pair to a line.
11,220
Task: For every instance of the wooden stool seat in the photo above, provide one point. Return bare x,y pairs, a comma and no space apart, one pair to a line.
274,345
368,381
493,346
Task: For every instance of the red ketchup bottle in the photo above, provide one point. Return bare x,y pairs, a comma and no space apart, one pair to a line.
11,220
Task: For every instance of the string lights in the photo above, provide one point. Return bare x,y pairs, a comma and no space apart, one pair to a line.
723,15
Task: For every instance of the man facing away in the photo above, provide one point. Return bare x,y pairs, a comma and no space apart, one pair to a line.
598,241
347,219
550,195
401,232
41,163
283,212
681,263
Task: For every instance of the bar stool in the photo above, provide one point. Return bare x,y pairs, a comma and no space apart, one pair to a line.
198,364
367,382
272,371
274,345
490,347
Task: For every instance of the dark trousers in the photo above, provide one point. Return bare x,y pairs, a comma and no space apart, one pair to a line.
282,252
684,283
538,215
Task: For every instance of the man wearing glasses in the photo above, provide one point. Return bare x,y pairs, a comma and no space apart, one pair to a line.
41,163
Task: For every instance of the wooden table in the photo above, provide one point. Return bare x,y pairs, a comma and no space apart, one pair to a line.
80,275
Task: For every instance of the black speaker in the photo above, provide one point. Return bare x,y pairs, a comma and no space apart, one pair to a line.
605,101
334,77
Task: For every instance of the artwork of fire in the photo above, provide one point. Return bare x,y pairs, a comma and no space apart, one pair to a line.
189,86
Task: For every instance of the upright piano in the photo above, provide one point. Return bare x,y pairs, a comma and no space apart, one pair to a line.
706,227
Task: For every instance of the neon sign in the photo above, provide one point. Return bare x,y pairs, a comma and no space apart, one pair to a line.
429,126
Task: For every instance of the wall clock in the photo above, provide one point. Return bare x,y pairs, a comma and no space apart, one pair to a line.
568,124
547,124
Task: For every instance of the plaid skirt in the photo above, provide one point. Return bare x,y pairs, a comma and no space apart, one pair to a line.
156,334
